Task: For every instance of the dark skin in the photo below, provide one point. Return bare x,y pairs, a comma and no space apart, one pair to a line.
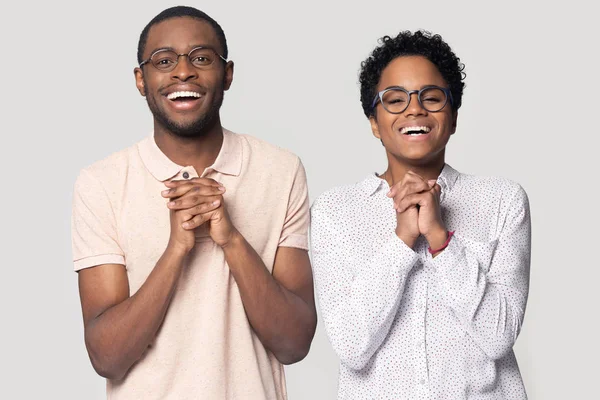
414,163
280,306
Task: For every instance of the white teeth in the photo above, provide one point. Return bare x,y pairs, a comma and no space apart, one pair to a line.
175,95
415,129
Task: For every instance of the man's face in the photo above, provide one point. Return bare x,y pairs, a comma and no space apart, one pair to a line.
187,116
413,73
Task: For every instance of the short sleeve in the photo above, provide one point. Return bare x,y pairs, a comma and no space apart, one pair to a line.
93,225
295,227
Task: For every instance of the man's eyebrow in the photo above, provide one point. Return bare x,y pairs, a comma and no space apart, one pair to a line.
205,46
161,48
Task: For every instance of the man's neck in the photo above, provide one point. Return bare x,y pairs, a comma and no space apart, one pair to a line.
199,152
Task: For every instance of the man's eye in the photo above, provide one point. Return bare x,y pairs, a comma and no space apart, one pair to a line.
201,60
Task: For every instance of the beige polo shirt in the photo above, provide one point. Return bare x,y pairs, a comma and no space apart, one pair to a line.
206,348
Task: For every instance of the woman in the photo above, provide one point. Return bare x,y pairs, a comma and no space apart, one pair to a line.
422,271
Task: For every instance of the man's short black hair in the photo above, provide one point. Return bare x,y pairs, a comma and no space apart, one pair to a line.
180,11
420,43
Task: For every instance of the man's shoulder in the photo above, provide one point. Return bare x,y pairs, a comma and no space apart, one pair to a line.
267,152
110,167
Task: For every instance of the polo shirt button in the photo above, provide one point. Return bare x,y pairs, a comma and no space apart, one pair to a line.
186,175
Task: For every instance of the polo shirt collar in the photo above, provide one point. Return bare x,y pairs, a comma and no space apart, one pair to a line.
228,161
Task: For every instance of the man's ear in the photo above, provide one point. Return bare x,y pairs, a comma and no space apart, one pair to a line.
228,75
139,80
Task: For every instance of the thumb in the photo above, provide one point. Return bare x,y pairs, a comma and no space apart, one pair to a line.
432,182
217,215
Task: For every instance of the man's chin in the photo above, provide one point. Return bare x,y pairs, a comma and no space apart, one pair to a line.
186,126
194,129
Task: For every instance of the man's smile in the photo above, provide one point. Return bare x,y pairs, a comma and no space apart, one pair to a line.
184,97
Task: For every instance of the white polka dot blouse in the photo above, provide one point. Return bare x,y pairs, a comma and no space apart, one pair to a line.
409,326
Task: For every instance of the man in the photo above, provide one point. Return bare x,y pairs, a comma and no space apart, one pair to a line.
422,272
191,248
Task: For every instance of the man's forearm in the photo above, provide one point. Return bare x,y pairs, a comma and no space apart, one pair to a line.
118,337
283,321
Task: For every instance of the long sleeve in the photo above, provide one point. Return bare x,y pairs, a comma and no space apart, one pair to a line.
358,295
406,325
486,284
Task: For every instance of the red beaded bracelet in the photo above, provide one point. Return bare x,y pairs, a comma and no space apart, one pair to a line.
432,252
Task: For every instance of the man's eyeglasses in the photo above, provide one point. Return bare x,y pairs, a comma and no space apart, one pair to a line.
395,100
166,60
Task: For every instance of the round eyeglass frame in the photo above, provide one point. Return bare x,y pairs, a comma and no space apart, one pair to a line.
188,55
379,97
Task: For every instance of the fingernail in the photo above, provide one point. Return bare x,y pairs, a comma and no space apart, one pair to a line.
222,188
165,192
171,204
186,224
216,203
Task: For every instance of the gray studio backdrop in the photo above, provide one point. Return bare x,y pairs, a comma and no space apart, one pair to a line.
529,114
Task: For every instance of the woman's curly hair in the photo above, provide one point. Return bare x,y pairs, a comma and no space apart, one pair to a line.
420,43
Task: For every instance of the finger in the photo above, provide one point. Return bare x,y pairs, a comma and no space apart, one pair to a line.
196,181
410,188
194,202
176,190
412,176
409,179
435,187
177,182
192,189
396,188
204,181
410,201
437,191
392,191
192,197
423,199
207,181
198,220
194,222
413,173
413,187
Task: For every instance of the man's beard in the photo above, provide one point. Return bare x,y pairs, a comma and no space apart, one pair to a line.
197,128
